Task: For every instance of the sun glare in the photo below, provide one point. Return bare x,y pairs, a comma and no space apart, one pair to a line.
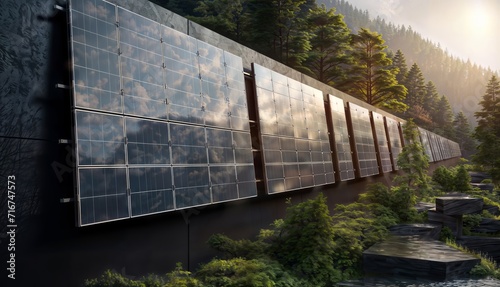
479,17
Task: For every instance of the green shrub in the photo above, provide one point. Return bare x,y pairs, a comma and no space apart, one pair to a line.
399,199
243,248
446,234
305,242
112,279
444,178
235,272
153,280
181,278
452,179
470,221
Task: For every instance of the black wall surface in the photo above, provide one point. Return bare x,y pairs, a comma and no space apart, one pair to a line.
34,116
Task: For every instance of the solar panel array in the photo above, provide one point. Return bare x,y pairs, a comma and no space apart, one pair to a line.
341,135
363,139
383,144
161,122
161,119
294,132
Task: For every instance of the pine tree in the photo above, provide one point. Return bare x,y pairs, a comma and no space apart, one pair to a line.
222,16
399,61
277,28
431,99
414,162
372,77
463,135
329,46
443,123
487,131
415,84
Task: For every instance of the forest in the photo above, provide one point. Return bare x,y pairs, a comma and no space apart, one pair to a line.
402,72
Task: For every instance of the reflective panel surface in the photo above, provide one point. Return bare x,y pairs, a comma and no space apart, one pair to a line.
363,138
294,132
383,145
394,140
161,118
424,138
341,135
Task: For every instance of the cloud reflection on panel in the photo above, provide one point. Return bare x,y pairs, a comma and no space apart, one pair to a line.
103,194
188,144
151,190
177,103
294,132
100,139
148,142
191,186
95,57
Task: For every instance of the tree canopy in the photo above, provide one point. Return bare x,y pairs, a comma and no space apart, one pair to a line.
372,77
487,131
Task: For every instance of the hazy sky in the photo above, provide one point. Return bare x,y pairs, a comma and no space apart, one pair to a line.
469,29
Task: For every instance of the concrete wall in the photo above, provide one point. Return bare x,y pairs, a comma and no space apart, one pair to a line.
35,114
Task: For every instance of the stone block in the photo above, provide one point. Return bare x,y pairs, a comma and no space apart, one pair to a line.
424,206
492,209
417,258
486,245
446,220
454,205
488,225
427,230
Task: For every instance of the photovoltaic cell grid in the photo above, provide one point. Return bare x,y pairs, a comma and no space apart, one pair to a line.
395,140
341,134
424,138
294,132
383,145
363,139
161,121
435,147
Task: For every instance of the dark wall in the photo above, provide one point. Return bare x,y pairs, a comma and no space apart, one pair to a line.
34,116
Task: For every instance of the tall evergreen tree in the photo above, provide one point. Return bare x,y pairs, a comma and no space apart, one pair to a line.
443,123
487,131
431,99
222,16
463,134
415,84
399,61
372,77
276,30
329,44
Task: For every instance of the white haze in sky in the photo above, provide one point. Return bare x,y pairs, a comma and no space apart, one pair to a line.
469,29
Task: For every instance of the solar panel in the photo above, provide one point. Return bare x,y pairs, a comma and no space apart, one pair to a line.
341,135
424,138
363,139
161,119
294,132
394,139
383,146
